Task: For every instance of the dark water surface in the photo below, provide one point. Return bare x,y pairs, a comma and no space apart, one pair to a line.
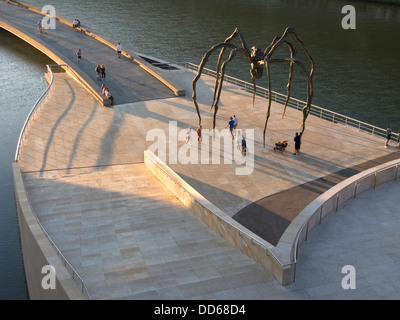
356,71
22,82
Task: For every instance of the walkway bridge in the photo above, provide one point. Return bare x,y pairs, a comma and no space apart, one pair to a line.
123,231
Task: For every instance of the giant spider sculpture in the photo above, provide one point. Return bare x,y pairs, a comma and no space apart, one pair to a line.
258,60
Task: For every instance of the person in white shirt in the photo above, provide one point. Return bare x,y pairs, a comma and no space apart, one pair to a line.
189,136
119,49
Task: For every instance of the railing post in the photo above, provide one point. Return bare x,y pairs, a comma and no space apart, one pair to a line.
320,214
355,189
337,201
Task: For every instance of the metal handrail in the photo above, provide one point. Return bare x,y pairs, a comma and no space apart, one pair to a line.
297,104
75,274
35,106
31,113
305,224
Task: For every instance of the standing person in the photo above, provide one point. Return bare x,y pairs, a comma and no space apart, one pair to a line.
79,54
98,71
119,49
189,136
230,124
198,131
388,136
235,123
75,24
238,139
103,71
297,143
103,89
39,24
244,147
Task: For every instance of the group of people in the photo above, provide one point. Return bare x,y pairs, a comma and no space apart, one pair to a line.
100,72
240,139
233,123
389,136
106,92
99,69
189,134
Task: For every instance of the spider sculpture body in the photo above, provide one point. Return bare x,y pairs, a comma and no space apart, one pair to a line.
258,60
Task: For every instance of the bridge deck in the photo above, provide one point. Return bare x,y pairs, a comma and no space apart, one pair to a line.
127,81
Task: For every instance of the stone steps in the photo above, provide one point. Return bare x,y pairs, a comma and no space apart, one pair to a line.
129,237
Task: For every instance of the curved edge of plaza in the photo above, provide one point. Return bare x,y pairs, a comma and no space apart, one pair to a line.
109,219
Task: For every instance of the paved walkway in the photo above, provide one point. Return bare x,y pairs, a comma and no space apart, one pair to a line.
97,207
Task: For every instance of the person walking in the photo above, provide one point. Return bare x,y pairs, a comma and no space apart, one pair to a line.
230,124
388,136
235,123
40,26
297,143
244,147
119,50
189,136
238,139
98,72
198,131
79,54
103,71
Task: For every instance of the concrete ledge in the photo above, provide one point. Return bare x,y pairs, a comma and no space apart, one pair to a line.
243,239
39,252
329,202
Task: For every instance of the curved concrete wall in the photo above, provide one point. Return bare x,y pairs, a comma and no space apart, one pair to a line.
243,239
38,252
329,202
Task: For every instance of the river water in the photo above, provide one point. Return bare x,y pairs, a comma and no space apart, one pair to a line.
356,71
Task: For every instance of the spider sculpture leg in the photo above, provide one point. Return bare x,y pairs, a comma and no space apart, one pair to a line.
219,83
269,102
200,70
291,67
236,33
293,61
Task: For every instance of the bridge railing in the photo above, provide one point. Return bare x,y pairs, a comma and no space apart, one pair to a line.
332,199
298,104
31,114
37,104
